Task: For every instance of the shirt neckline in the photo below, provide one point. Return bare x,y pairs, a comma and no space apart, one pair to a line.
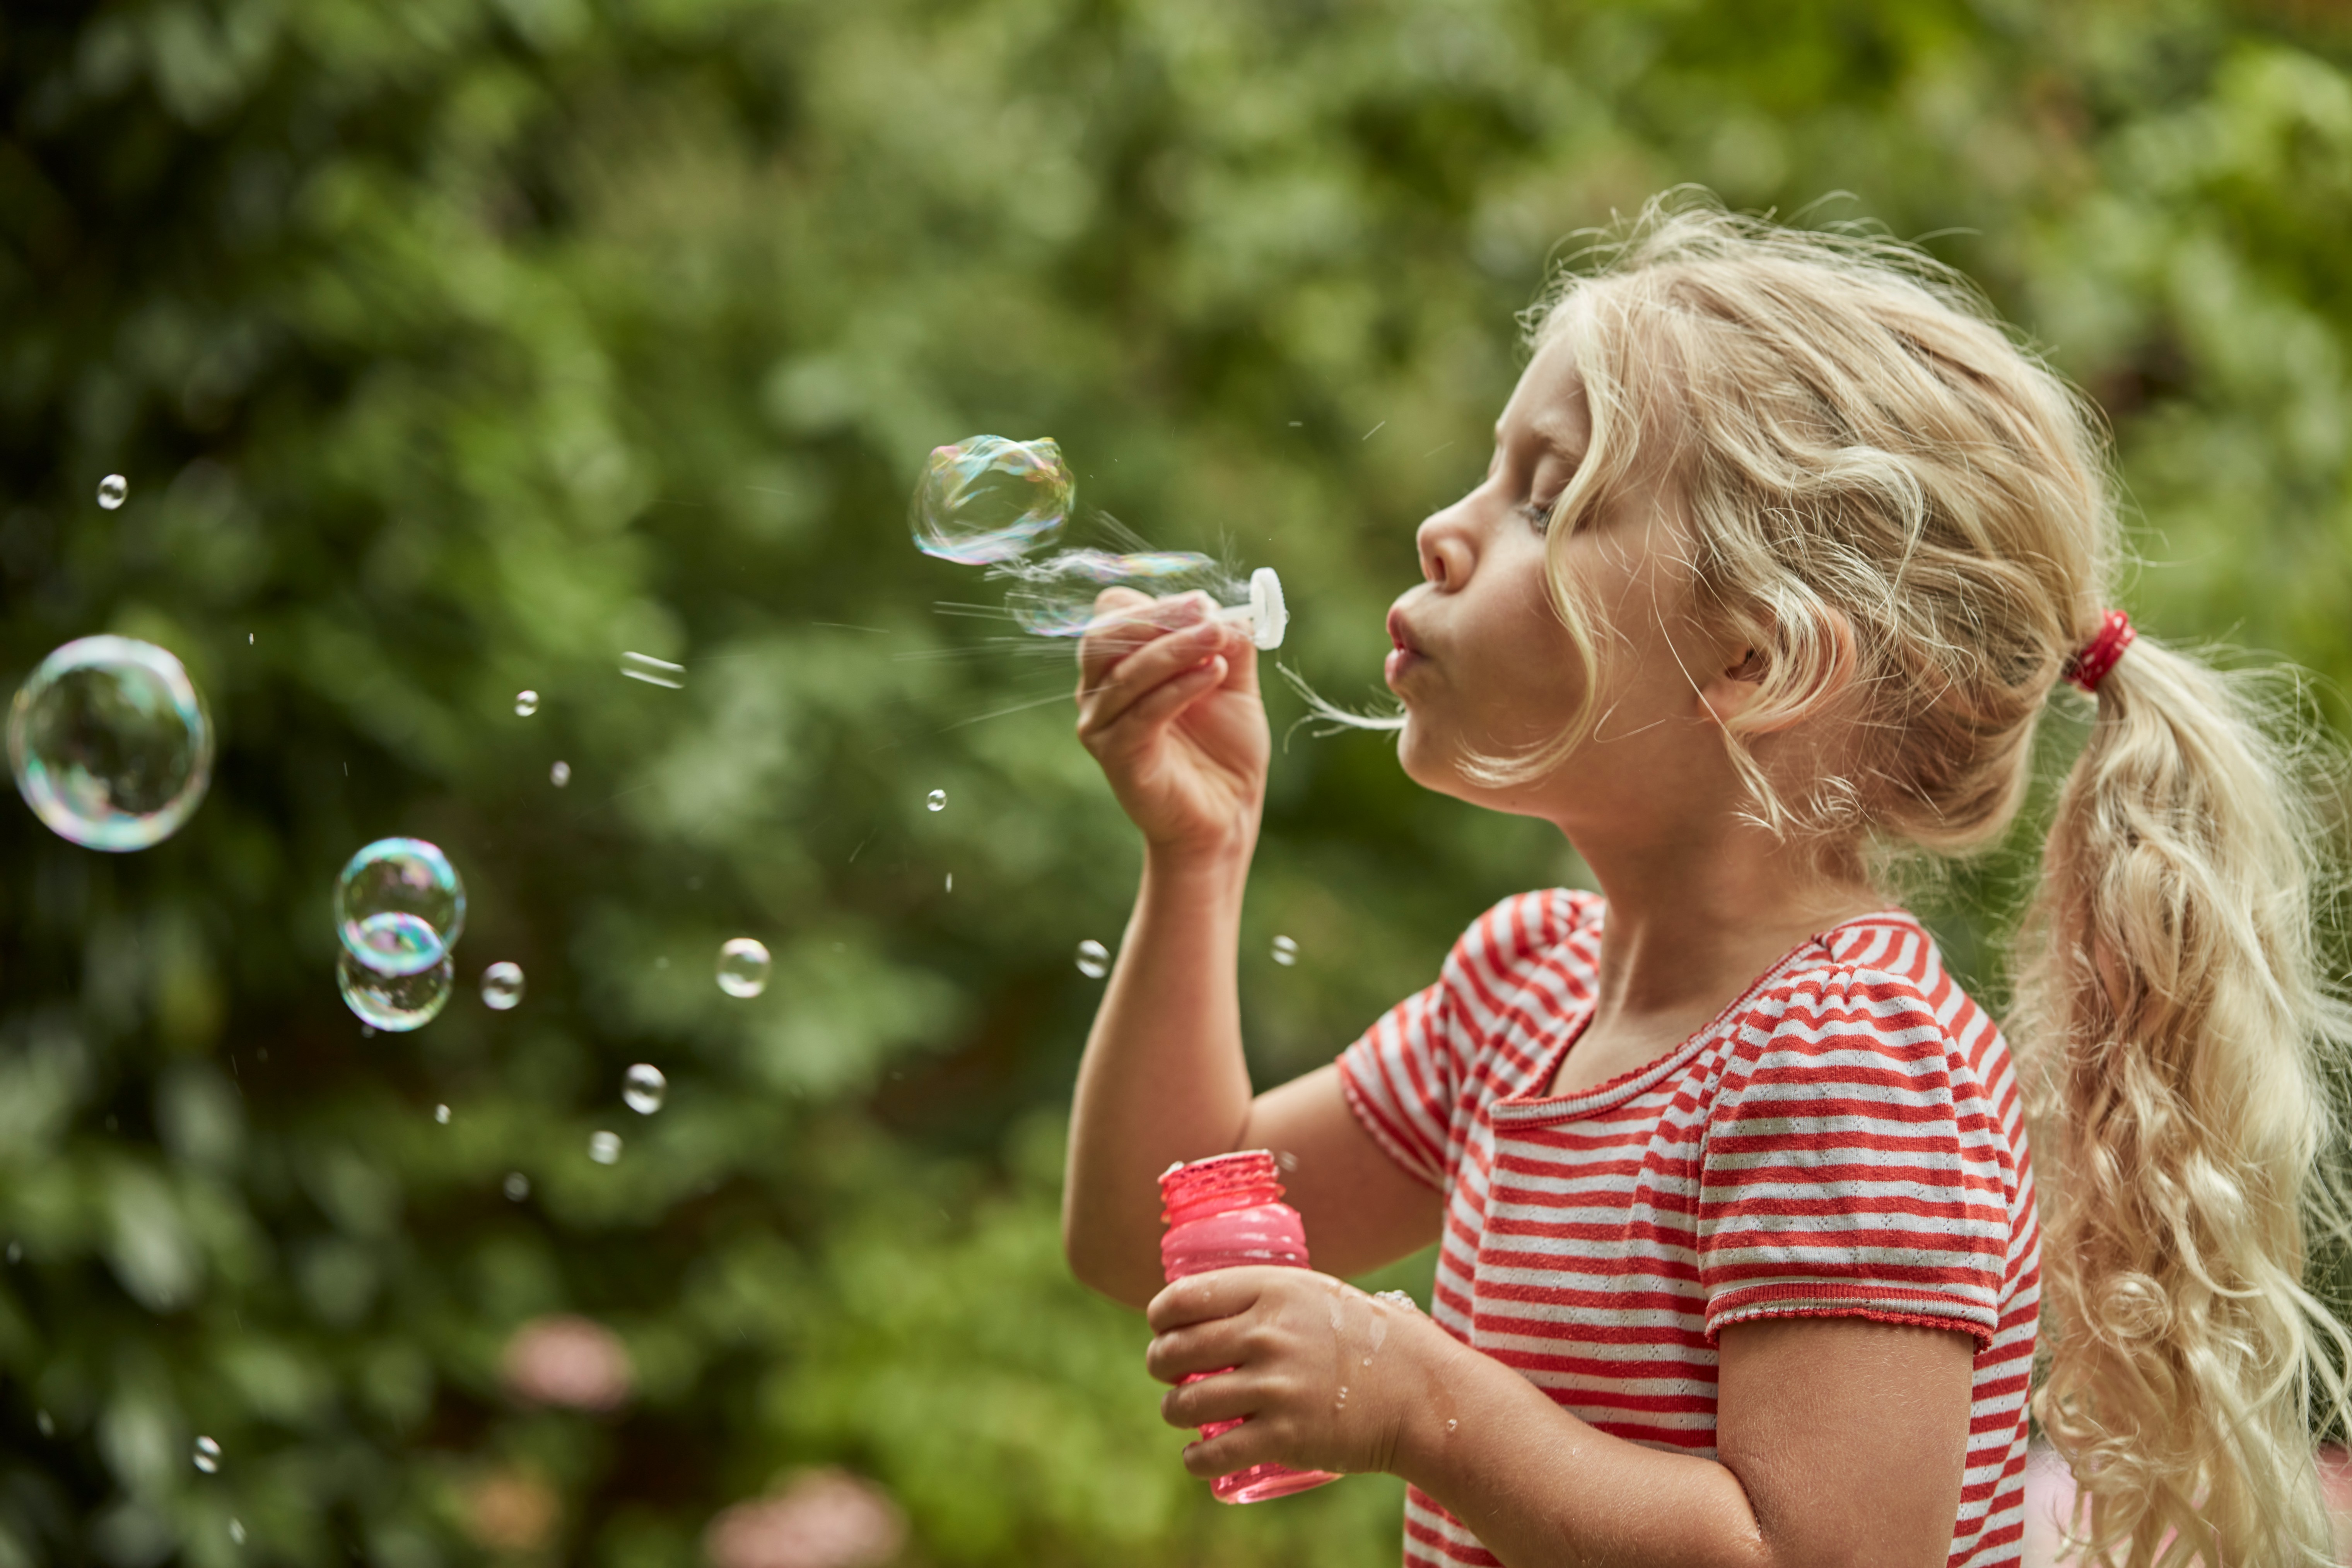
1610,1093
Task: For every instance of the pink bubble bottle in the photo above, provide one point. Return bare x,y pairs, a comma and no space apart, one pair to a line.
1222,1213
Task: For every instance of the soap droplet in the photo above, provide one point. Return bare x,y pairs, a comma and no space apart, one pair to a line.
41,1419
1367,1360
937,800
441,1114
112,490
502,985
1451,1424
744,965
236,1531
525,703
951,881
1094,959
207,1456
603,1147
518,1186
1285,952
643,1089
1286,1160
559,774
1379,1329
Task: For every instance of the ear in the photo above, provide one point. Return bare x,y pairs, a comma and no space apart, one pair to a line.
1739,679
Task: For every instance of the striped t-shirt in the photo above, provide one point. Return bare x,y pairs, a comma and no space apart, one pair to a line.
1844,1140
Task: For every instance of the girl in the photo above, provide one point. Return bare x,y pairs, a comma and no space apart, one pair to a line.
1782,550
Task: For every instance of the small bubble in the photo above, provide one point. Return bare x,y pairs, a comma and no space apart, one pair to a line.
951,881
937,800
744,965
643,1089
603,1147
15,1251
248,639
1286,1160
1094,959
236,1531
1451,1424
1367,1360
441,1114
41,1419
502,985
559,774
112,491
653,671
517,1186
526,704
207,1456
1285,952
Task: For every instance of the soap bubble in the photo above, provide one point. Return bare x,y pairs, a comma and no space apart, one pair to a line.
441,1114
937,800
502,985
603,1147
743,966
986,499
653,671
112,491
1094,959
1285,952
559,774
395,1002
1056,596
643,1087
517,1186
399,906
236,1531
207,1456
111,743
525,703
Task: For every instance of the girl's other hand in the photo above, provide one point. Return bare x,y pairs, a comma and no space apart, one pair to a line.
1169,704
1329,1378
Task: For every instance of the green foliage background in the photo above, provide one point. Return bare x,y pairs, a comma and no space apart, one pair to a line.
455,346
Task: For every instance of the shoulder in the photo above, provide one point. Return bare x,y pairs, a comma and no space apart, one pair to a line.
1549,929
1870,1006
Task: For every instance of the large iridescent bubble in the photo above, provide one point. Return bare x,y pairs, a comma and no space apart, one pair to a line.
399,906
111,743
986,499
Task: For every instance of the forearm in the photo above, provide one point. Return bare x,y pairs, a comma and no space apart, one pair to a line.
1162,1078
1544,1489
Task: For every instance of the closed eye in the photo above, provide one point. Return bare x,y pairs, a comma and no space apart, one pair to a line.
1538,514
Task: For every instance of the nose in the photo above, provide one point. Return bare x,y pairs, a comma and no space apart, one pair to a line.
1446,551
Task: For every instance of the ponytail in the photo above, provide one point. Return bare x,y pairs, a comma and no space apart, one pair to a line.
2180,1042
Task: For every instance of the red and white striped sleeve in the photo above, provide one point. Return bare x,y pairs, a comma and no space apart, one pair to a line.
1851,1166
1402,1077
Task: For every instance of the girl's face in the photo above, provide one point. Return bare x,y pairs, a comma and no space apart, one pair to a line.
1485,666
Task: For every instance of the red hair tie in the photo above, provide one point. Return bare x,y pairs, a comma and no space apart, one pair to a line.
2087,668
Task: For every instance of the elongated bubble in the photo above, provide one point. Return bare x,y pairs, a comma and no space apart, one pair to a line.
985,500
399,906
111,743
1056,597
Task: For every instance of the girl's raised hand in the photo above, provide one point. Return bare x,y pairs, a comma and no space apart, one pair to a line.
1169,704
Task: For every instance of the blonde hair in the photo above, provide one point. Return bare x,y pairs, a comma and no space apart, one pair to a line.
1909,517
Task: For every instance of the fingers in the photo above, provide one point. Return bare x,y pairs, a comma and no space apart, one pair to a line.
1125,620
1152,684
1219,1293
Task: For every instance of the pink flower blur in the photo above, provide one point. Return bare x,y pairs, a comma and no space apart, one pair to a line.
565,1359
824,1519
